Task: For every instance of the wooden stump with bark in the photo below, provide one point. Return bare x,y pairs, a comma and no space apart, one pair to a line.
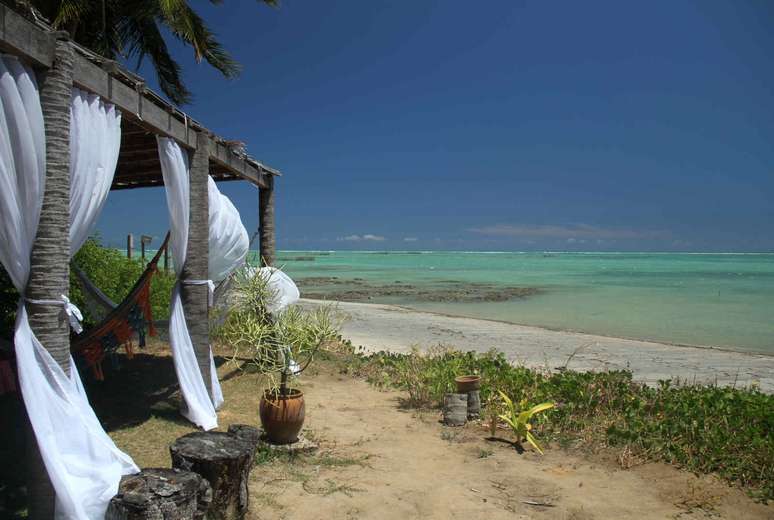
160,494
225,461
247,433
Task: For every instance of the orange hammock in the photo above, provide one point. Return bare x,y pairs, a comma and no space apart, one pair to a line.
120,324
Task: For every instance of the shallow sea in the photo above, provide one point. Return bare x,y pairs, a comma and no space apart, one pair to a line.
724,300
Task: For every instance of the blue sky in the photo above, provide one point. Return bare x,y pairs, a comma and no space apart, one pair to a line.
498,125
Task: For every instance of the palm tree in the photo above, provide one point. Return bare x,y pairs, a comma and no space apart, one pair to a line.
134,30
49,262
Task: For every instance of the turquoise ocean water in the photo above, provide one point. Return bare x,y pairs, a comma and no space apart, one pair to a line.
724,300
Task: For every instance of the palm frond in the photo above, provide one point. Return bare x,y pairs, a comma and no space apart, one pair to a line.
143,38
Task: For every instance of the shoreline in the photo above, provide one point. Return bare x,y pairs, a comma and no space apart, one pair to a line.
396,328
573,331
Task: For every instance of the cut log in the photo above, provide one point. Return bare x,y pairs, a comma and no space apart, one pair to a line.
455,409
247,433
160,494
474,404
225,461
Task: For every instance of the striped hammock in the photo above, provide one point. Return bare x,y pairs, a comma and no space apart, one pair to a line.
119,323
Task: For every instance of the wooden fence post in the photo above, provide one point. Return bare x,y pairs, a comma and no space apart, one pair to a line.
266,222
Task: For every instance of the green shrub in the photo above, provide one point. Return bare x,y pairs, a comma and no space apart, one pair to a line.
115,275
109,270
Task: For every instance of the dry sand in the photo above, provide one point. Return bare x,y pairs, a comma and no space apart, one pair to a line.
379,461
387,327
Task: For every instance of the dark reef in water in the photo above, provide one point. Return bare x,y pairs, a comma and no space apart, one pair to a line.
447,291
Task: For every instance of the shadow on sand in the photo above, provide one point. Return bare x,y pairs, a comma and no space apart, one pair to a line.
134,390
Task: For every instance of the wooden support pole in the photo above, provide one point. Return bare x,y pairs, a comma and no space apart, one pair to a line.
266,222
129,246
50,260
196,297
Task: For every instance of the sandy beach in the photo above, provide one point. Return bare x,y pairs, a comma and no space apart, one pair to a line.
386,327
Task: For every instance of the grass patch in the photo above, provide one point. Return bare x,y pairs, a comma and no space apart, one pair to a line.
703,428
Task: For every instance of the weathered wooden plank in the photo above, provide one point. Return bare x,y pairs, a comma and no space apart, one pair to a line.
35,44
22,37
223,157
134,104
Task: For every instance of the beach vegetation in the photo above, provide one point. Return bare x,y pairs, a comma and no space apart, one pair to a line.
701,427
519,420
115,275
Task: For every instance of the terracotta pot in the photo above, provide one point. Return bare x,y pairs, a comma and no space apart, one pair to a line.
282,416
467,384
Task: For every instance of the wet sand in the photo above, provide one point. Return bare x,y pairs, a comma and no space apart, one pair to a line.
387,327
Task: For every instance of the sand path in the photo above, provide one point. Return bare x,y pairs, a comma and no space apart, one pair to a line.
378,461
387,327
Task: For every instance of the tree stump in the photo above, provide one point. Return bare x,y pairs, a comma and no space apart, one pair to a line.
474,404
455,409
247,433
225,461
160,494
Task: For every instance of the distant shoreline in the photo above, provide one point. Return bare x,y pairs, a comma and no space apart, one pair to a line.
396,328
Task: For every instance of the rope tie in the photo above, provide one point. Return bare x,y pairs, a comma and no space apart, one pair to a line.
69,310
210,286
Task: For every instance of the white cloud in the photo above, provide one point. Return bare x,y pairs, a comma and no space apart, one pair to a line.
574,231
359,238
410,239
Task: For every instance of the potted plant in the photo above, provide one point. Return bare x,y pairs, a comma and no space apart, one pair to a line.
467,383
272,338
282,409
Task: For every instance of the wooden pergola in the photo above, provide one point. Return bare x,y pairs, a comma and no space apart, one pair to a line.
58,61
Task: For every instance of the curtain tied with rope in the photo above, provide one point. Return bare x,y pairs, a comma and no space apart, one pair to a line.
228,245
82,462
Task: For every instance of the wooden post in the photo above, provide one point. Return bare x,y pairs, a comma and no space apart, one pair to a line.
50,260
129,245
166,260
144,240
196,297
266,222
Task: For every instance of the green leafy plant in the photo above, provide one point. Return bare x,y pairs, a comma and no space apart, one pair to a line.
519,421
114,274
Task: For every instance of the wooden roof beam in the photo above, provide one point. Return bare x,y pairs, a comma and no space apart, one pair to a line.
35,43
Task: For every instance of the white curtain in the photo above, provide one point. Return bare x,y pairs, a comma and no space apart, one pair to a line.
95,139
229,241
83,463
200,408
282,288
228,246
